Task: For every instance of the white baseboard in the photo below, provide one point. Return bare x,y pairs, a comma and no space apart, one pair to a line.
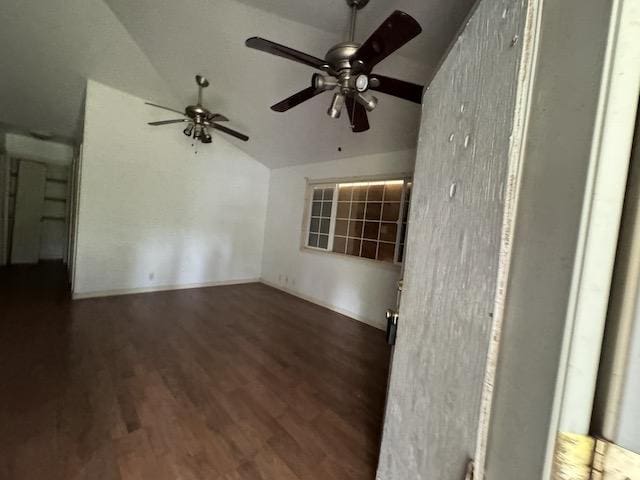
160,288
324,304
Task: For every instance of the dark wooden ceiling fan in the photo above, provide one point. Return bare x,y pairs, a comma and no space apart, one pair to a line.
200,119
348,67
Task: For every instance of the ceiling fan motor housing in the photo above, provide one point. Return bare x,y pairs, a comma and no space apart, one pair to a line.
339,56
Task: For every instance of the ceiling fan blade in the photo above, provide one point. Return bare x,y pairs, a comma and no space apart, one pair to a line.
395,32
357,116
397,88
296,99
217,117
165,108
286,52
228,131
168,122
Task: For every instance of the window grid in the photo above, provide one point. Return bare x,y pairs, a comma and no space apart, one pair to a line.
320,226
366,219
352,231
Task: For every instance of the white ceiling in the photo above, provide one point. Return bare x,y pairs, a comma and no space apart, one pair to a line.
153,48
438,18
47,50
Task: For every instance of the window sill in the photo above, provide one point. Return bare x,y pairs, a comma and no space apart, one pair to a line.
350,258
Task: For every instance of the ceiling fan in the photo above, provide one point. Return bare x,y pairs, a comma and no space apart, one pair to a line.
348,67
200,119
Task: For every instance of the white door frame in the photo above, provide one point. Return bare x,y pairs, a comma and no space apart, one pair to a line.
598,238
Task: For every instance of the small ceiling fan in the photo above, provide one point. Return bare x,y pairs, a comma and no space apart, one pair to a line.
200,119
348,67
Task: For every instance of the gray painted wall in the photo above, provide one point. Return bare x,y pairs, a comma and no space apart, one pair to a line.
461,185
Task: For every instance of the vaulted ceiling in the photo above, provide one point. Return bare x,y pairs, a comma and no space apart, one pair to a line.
153,48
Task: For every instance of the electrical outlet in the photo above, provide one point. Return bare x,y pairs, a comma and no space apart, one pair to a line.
152,275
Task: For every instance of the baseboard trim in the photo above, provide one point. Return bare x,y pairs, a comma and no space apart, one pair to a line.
160,288
324,304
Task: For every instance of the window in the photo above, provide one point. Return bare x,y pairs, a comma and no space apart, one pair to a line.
320,225
361,219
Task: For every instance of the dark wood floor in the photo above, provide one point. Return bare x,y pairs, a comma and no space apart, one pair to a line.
226,383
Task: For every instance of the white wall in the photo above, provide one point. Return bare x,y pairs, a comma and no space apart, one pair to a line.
27,225
362,289
156,213
21,146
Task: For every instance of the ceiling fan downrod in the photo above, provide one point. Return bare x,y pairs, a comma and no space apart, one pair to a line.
355,5
202,84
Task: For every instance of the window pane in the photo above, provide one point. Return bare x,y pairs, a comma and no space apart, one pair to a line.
390,212
371,230
343,210
360,193
353,247
339,244
313,239
373,211
344,193
367,218
326,209
393,192
388,232
357,210
355,229
369,249
386,252
375,193
341,227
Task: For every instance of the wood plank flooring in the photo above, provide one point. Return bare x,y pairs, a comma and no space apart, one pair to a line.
227,383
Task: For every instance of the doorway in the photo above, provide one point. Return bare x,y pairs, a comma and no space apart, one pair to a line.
37,201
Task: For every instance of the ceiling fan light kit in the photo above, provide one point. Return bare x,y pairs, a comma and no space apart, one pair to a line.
199,118
347,68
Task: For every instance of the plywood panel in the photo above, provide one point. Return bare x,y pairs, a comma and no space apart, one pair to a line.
454,249
25,247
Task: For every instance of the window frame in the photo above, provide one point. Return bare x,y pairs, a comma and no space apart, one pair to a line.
406,178
309,217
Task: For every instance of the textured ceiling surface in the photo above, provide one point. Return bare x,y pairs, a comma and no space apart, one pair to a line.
153,48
